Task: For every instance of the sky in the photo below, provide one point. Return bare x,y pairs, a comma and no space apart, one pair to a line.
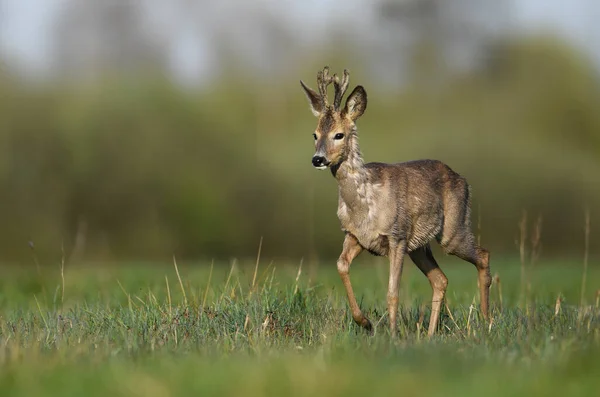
24,27
576,19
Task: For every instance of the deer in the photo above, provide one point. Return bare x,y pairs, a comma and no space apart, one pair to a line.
392,210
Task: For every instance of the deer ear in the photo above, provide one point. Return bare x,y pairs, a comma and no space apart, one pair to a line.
316,105
356,103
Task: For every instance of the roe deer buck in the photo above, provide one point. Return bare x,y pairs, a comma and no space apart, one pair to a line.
392,209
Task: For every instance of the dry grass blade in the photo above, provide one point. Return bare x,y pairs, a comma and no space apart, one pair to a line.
420,321
246,322
265,276
453,319
129,301
180,282
536,239
522,239
257,261
557,305
585,256
471,308
585,265
169,296
212,264
62,273
298,277
227,281
534,256
379,322
40,310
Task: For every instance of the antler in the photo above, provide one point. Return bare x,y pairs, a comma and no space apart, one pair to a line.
324,80
340,88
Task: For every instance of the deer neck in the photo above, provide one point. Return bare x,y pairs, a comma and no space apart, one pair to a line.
352,175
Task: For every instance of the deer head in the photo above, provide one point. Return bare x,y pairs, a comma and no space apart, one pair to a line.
336,128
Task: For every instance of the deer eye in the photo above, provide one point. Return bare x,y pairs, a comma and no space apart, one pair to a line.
315,136
338,136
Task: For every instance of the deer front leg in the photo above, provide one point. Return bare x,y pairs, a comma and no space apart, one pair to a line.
350,250
396,256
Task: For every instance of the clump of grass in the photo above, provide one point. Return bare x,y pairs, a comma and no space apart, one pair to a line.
266,330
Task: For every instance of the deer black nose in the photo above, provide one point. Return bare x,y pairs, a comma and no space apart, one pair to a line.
318,161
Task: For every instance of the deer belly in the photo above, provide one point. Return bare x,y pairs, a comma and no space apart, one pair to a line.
422,233
376,244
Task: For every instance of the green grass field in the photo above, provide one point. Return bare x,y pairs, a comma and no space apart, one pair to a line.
135,330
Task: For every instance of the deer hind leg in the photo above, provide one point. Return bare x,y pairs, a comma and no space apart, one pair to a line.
469,251
458,240
350,250
423,258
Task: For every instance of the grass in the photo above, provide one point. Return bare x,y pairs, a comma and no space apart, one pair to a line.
125,330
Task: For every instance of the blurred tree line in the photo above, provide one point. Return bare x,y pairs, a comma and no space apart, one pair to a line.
111,158
142,168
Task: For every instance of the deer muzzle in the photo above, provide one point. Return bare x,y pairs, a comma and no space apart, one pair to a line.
320,162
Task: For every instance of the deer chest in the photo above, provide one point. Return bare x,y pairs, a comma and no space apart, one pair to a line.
366,227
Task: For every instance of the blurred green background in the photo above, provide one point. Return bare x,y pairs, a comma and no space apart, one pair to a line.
110,149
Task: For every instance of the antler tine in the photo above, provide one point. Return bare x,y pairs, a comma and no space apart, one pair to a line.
323,80
340,88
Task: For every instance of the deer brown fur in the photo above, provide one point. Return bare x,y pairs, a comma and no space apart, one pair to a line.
392,209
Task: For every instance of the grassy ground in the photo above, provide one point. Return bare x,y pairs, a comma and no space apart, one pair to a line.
136,330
